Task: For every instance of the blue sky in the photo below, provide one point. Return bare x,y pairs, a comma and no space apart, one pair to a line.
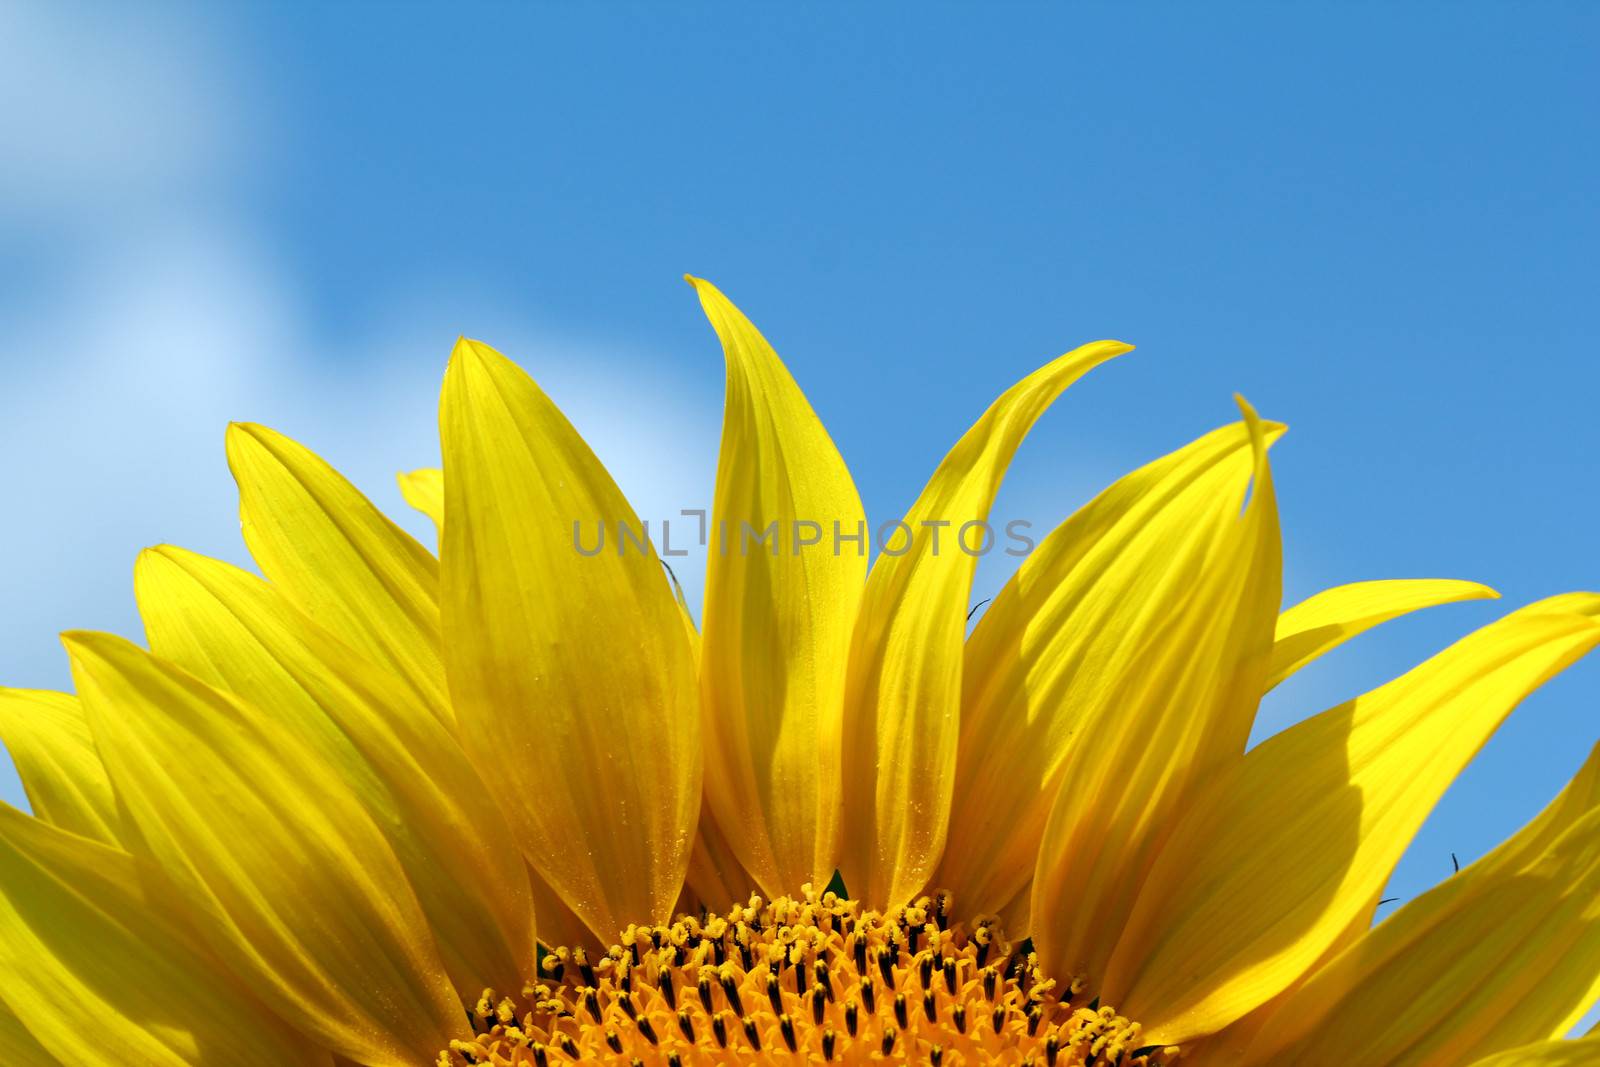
1377,224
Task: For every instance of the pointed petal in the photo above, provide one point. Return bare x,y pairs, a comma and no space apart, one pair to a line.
1503,953
285,876
778,619
235,632
558,924
1285,847
1584,1052
49,740
1585,604
424,490
1164,730
567,669
100,976
339,558
1323,622
1053,659
902,702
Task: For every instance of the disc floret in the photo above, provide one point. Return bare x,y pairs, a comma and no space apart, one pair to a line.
816,979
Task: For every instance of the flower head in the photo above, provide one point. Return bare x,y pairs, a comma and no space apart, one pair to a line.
510,805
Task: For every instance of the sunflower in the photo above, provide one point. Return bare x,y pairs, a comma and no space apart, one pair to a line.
508,805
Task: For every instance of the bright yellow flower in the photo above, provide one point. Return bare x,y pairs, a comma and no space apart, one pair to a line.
319,817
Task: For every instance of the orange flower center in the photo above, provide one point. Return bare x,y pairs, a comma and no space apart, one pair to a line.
811,980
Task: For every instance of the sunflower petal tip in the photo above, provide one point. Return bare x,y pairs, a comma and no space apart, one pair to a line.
475,355
1268,429
708,293
241,435
79,642
96,645
466,348
163,552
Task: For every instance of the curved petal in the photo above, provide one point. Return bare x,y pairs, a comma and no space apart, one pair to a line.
1580,603
567,669
1167,728
1053,659
903,694
1324,621
18,1046
558,924
340,559
283,874
777,620
234,632
1225,1048
50,743
424,490
1283,849
101,977
1503,953
1584,1052
716,877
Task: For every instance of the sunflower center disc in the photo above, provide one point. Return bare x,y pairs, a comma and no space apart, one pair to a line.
815,979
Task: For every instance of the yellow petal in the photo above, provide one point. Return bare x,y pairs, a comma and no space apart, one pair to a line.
54,753
1054,657
903,694
1323,622
1226,1047
424,490
234,632
1162,729
1587,604
777,619
283,874
715,875
339,558
689,630
566,669
18,1047
1584,1052
1503,953
558,924
1285,847
715,878
101,977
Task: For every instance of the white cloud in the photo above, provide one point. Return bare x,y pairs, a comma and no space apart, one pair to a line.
165,319
110,109
112,435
